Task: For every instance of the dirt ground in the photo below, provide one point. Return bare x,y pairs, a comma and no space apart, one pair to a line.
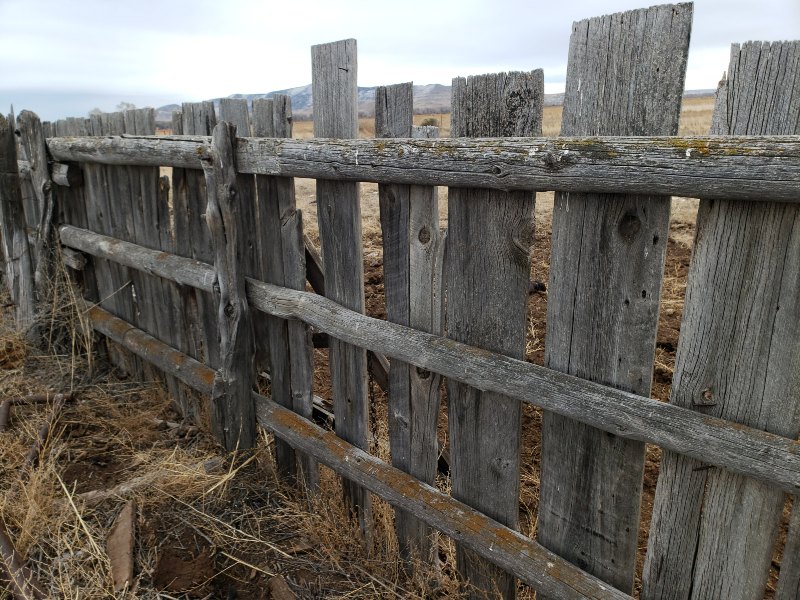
208,526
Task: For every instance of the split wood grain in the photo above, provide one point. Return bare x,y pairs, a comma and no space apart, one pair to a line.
232,416
16,250
33,140
737,357
606,268
283,262
487,275
412,265
740,167
765,456
334,87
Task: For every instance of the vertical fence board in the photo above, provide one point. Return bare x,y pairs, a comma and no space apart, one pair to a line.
16,250
487,274
71,206
191,233
426,251
334,71
282,262
738,355
233,411
33,141
624,77
412,278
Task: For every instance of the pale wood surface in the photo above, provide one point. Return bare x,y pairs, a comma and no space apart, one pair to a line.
738,448
737,167
487,275
334,86
233,416
738,355
539,568
606,268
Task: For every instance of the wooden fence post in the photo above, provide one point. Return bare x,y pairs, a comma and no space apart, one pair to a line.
487,275
16,250
412,266
233,413
789,580
334,88
713,532
624,77
32,138
283,263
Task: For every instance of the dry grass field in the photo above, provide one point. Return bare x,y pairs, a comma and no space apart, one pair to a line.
207,526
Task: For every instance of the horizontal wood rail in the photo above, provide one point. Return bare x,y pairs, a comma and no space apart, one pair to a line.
522,556
738,448
735,167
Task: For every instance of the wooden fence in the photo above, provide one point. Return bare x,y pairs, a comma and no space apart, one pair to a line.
206,282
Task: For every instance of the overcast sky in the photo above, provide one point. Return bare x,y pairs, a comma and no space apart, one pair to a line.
62,58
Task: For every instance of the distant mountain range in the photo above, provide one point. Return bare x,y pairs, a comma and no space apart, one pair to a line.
428,99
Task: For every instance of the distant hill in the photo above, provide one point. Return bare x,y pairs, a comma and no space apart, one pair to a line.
428,99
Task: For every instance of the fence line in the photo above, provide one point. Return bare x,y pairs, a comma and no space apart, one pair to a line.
771,458
148,268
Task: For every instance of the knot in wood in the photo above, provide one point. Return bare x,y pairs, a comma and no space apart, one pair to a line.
629,227
230,309
424,235
423,373
555,160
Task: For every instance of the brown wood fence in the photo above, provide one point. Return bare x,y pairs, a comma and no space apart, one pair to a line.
206,283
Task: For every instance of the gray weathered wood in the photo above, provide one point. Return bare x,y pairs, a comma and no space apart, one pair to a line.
412,274
66,174
738,355
334,86
742,167
282,262
233,416
606,268
789,579
33,140
487,275
768,457
191,232
542,570
16,250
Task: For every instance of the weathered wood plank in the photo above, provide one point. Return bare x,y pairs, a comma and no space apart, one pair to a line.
16,251
334,86
191,232
740,167
625,76
282,262
768,457
487,275
33,140
738,355
410,250
542,570
233,413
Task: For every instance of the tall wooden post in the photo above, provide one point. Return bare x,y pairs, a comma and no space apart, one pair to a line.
713,532
16,251
334,85
232,409
487,276
412,253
